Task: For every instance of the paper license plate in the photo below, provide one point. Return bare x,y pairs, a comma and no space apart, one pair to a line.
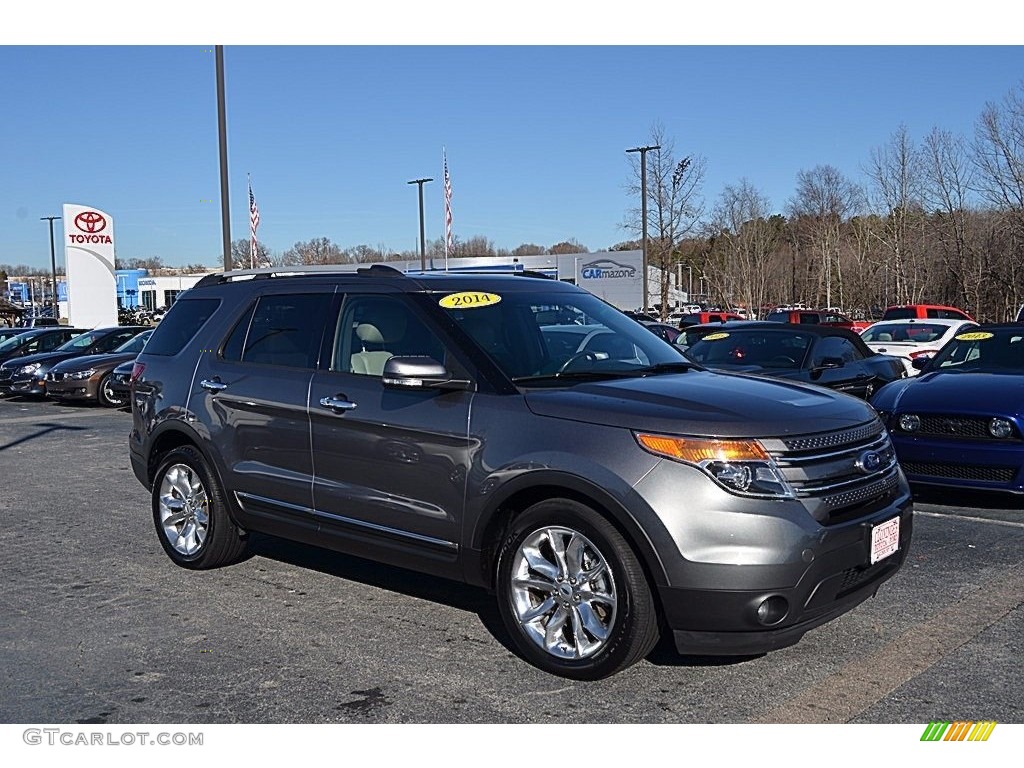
885,539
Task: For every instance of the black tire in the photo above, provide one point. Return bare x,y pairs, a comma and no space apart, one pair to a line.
108,401
186,492
570,647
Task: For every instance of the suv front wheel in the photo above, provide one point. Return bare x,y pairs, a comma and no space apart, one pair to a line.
572,593
190,512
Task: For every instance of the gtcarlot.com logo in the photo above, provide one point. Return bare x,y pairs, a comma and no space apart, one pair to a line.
958,731
72,738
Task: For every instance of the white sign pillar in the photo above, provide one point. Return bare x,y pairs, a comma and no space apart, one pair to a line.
89,255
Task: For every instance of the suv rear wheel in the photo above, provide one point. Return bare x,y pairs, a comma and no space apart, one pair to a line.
572,593
190,512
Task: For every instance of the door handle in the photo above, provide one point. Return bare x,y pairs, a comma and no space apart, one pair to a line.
213,385
336,404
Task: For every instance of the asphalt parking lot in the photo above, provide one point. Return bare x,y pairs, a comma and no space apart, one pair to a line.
100,627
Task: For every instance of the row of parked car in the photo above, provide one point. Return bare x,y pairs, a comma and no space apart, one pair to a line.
71,364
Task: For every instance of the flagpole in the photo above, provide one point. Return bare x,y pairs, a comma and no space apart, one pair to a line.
447,206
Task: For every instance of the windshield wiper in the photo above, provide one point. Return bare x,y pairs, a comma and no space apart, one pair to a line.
631,373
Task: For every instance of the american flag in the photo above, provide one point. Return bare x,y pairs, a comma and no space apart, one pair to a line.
447,210
254,221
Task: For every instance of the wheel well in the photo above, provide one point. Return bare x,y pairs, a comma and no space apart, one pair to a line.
518,502
163,445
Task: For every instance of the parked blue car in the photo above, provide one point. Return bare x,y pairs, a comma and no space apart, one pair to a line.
960,424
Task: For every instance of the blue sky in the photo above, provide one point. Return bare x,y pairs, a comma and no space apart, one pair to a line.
535,135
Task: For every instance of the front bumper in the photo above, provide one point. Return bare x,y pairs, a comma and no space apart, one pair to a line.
729,555
724,621
974,465
72,389
33,385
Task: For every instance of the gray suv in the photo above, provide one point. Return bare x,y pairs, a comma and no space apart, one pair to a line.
519,434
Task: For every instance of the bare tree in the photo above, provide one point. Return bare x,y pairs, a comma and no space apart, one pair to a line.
240,250
674,202
747,238
572,245
824,199
319,250
896,175
528,249
999,156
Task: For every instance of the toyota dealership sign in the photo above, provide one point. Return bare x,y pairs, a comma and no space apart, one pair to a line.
89,249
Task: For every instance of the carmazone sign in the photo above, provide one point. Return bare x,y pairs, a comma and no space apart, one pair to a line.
89,253
615,276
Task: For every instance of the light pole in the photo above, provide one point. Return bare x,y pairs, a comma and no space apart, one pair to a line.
53,264
643,205
423,245
222,135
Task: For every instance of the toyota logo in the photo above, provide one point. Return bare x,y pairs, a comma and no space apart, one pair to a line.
868,462
90,221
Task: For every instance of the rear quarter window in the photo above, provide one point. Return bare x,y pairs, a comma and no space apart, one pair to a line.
180,325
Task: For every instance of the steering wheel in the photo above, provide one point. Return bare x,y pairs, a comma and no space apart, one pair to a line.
780,360
584,355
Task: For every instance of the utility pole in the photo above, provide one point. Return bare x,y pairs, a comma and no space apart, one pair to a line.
53,264
423,244
222,133
643,206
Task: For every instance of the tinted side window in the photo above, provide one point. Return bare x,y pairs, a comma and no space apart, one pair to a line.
180,325
236,341
835,346
287,330
809,318
113,341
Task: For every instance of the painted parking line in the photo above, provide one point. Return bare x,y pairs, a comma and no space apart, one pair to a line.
857,686
49,417
947,515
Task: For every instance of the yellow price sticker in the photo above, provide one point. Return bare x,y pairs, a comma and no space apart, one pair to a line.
975,336
469,300
715,337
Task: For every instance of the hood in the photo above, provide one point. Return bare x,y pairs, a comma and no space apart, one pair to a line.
969,393
704,403
45,358
93,361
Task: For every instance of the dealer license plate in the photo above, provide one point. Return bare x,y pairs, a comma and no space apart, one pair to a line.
885,539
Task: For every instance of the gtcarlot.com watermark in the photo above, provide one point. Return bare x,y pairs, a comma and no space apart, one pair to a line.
74,738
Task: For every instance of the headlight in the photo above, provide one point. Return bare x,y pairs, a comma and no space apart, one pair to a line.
741,466
30,368
909,422
82,374
1000,428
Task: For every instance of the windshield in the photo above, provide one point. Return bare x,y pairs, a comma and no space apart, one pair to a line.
763,347
14,342
556,335
997,350
136,343
913,333
84,341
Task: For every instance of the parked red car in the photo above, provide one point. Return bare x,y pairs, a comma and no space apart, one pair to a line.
932,311
700,318
817,317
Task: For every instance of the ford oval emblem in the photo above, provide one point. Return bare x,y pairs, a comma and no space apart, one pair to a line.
869,462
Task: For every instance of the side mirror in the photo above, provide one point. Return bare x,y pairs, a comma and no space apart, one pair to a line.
830,362
920,363
420,372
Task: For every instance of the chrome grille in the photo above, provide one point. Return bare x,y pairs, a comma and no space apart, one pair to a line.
839,475
833,439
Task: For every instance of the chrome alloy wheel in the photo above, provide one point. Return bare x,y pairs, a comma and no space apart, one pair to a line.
184,509
563,593
108,392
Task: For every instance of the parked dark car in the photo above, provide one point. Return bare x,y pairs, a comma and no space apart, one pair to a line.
35,340
816,354
960,423
27,375
90,378
8,333
663,331
121,382
602,485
